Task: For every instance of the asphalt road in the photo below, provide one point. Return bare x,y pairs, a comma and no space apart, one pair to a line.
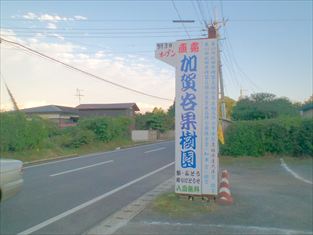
268,199
70,196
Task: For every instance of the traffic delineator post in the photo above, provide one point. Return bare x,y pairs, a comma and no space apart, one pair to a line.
224,195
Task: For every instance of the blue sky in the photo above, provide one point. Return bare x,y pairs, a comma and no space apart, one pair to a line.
266,47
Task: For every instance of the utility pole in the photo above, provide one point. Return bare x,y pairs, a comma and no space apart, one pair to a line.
242,93
12,98
15,106
78,94
213,33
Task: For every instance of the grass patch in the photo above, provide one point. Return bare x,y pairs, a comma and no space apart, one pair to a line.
174,205
262,161
247,161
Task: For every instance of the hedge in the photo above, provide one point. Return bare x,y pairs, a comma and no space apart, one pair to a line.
287,136
19,133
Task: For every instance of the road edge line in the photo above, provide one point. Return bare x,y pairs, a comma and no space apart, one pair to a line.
49,161
90,202
294,174
81,168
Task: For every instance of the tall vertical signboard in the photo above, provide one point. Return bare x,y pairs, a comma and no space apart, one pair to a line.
196,116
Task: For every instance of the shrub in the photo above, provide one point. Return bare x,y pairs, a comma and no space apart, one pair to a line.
291,136
107,128
74,137
304,139
18,133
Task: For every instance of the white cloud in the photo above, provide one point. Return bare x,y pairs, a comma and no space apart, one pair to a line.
99,54
30,16
58,36
38,79
47,17
52,18
51,26
33,40
80,18
39,35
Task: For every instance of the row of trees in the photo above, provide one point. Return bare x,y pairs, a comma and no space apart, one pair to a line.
255,107
264,106
158,119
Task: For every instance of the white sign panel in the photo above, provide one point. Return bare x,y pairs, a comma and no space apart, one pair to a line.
196,119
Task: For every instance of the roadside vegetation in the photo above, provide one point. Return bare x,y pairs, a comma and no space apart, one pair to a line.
173,205
262,124
35,138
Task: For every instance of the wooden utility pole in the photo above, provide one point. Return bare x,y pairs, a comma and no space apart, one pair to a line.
213,33
12,98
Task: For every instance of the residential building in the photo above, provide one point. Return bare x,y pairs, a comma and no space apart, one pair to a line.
307,111
111,110
61,115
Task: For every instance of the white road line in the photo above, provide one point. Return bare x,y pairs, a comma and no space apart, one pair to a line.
81,168
236,229
284,165
92,201
94,154
154,150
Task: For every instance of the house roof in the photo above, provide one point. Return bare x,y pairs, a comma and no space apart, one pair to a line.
108,106
307,107
51,109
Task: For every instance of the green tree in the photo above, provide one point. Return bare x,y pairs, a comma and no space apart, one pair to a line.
158,119
263,106
171,111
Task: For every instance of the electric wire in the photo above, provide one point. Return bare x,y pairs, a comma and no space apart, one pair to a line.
232,57
82,71
102,36
179,16
197,12
202,14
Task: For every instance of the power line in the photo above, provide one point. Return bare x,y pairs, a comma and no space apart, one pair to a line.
102,36
91,20
169,20
180,18
82,71
232,57
101,29
202,14
102,33
196,11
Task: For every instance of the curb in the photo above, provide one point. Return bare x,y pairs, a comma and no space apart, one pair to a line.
121,218
224,195
49,160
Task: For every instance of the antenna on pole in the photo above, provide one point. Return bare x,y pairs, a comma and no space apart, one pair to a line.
78,94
